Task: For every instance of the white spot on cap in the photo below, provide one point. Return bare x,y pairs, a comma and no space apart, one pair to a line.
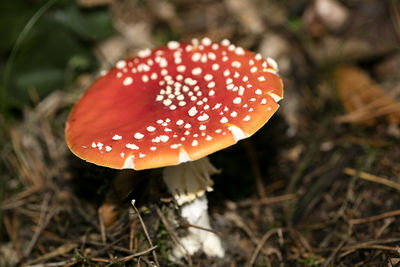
141,155
233,114
121,64
230,86
223,120
237,100
179,122
272,62
108,148
175,146
167,102
153,148
225,42
128,164
264,101
145,78
258,92
144,53
115,137
127,81
138,135
275,97
217,106
227,73
203,117
239,51
183,156
181,68
237,133
195,143
211,93
151,129
247,118
196,71
164,138
132,146
206,41
173,45
202,127
211,85
258,56
192,112
236,64
253,69
208,77
261,78
215,67
208,138
196,56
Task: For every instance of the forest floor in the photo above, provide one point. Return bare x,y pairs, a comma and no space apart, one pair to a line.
318,185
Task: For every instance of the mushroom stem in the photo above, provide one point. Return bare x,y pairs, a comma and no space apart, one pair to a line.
188,183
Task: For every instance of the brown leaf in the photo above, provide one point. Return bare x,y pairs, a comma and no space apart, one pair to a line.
363,99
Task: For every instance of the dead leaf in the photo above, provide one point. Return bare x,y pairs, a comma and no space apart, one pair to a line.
364,101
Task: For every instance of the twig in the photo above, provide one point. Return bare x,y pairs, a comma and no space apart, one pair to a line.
186,224
57,252
44,219
128,258
357,247
255,167
145,232
260,246
173,236
376,217
102,227
372,178
267,200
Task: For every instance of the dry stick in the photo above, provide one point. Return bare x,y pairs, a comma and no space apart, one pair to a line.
44,219
102,227
173,236
260,245
186,224
12,235
128,258
267,200
372,178
376,217
62,250
145,232
377,247
255,167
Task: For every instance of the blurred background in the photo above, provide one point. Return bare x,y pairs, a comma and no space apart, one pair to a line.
317,186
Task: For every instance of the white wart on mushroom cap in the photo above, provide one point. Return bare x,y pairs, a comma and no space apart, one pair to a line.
176,103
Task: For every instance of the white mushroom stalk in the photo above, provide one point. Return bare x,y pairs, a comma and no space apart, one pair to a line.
188,183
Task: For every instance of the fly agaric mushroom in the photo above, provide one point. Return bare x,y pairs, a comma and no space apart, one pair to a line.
171,107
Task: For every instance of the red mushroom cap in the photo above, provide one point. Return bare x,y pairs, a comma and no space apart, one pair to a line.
176,103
